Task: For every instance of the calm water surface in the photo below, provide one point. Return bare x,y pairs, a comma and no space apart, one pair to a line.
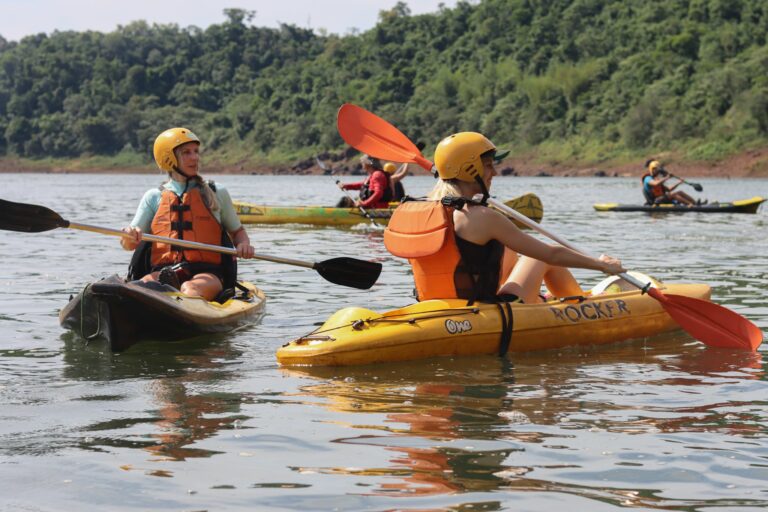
215,424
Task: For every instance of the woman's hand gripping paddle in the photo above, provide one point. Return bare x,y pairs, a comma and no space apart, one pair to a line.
30,218
710,323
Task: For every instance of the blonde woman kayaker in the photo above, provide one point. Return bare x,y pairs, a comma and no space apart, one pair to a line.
462,249
188,207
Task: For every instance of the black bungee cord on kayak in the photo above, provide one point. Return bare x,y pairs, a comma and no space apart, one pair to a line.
507,324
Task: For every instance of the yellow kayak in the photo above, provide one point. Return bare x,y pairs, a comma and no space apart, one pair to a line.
356,335
528,204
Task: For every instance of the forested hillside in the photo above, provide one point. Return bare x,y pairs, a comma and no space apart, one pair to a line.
574,79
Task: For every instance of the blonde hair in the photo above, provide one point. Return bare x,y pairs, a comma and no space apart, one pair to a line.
445,188
207,193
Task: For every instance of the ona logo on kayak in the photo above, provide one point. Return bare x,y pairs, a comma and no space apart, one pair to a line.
457,326
591,311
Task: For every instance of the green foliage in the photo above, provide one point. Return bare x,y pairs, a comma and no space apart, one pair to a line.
572,78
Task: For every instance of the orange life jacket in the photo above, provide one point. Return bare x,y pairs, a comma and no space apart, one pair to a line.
185,218
423,232
656,191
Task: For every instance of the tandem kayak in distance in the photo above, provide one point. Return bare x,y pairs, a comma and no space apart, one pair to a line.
613,311
125,313
739,206
528,204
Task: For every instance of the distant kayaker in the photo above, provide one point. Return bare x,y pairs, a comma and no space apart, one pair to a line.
460,248
656,190
375,190
190,208
396,179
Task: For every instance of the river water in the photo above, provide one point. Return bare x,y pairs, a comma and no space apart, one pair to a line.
216,424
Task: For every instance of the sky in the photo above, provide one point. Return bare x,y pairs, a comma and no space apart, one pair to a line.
19,18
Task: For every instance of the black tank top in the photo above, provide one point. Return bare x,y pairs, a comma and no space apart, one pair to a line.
477,274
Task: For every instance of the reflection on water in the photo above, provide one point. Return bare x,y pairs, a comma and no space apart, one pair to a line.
180,415
483,424
214,424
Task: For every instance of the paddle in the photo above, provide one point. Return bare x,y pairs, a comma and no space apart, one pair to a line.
30,218
706,321
696,186
338,184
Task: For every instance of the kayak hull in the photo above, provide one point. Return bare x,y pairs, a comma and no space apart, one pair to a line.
355,336
750,205
124,313
528,204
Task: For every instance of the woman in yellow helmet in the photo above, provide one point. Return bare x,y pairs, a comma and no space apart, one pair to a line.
190,208
488,242
396,179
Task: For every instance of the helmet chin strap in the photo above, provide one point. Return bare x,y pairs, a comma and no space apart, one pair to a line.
483,189
177,169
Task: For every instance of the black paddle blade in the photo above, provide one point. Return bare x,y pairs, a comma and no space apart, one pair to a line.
28,218
696,187
349,272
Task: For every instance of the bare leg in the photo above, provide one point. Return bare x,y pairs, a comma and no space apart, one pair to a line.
561,283
527,275
682,197
205,285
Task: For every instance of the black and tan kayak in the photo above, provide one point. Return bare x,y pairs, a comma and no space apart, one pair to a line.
125,313
750,205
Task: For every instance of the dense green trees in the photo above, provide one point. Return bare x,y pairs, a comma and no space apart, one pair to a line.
584,76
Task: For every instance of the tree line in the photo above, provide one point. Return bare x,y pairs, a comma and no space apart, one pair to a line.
591,78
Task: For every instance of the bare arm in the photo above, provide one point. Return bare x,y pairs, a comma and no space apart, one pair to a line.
242,243
400,173
487,224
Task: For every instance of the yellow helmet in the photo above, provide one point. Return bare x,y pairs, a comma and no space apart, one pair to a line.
166,142
655,164
458,156
389,167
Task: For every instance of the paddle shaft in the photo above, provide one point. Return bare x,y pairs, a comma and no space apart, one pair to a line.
187,244
696,186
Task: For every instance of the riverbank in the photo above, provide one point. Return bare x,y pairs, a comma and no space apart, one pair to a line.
748,164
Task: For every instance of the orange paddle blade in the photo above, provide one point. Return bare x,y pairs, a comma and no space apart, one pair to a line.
710,323
374,136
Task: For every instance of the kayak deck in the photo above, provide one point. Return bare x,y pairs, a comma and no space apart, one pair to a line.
354,336
750,205
125,313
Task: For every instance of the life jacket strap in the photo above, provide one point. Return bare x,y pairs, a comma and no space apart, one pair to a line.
181,225
458,202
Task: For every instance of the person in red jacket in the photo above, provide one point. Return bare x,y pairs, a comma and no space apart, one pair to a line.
375,191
